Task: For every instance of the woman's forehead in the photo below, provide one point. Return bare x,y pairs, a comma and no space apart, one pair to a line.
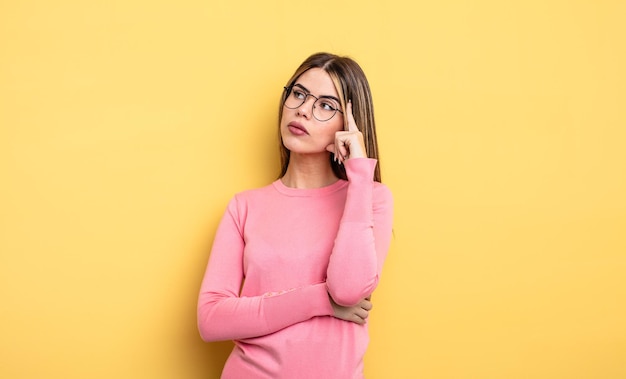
317,82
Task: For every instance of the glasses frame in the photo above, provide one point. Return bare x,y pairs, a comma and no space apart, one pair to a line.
306,97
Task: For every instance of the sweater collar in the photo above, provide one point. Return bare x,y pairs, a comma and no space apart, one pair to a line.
309,192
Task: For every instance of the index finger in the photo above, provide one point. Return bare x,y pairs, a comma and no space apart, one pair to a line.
351,123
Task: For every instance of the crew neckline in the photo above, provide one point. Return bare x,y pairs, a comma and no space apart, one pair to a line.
309,192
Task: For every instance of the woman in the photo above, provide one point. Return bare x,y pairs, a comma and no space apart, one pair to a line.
293,264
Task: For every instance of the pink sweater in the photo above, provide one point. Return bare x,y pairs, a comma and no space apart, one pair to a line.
277,255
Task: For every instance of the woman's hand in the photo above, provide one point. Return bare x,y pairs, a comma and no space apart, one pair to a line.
348,144
357,313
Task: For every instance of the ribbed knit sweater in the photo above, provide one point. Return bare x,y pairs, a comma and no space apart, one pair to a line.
278,254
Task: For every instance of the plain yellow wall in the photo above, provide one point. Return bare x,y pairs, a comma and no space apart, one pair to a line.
125,127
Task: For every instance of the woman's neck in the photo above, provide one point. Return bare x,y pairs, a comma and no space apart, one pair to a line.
308,171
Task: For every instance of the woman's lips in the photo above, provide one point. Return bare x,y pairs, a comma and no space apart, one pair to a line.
297,128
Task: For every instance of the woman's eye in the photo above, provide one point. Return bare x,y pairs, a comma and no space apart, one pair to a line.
328,106
299,94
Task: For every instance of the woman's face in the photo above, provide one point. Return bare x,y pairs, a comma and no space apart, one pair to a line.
301,132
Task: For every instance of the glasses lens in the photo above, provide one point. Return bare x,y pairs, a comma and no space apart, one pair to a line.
324,109
295,98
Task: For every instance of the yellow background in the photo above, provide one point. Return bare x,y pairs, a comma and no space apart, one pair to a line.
125,127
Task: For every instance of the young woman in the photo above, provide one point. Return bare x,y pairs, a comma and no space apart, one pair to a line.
293,264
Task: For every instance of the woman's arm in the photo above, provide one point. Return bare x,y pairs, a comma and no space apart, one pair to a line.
364,232
224,315
363,237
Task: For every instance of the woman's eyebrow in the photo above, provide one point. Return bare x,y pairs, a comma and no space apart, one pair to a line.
329,97
321,96
303,87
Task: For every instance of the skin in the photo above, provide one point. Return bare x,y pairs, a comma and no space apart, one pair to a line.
310,143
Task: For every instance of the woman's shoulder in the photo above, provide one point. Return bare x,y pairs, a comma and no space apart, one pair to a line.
254,198
255,194
255,191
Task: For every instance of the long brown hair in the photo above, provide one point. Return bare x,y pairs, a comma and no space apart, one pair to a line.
351,84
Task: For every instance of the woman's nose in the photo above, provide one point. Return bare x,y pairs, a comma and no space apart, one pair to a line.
306,109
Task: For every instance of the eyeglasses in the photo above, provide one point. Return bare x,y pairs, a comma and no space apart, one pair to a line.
324,107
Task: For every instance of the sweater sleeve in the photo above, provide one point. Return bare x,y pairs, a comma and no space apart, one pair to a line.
363,237
225,315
